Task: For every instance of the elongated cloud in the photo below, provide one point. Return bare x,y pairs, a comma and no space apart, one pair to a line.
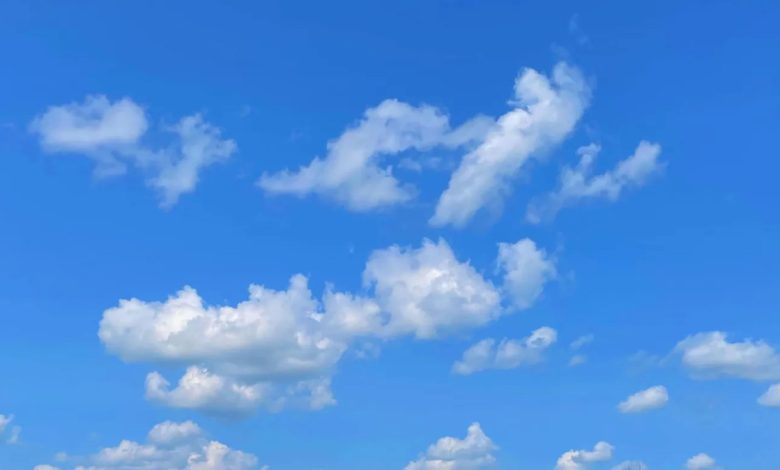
645,400
170,446
577,183
580,459
353,172
279,348
474,452
111,134
545,111
710,355
507,354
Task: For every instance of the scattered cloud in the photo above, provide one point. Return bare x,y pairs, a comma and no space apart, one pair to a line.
507,354
474,452
582,341
579,459
545,111
577,183
171,446
700,462
112,134
710,355
9,433
526,270
645,400
279,348
771,397
353,172
578,360
630,465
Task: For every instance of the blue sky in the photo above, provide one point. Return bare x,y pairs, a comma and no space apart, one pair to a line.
556,220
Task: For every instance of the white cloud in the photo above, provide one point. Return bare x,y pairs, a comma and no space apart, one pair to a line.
771,397
9,434
582,341
112,133
169,446
577,183
507,354
450,453
579,459
630,465
546,110
353,172
280,348
427,291
645,400
578,360
526,270
45,467
700,462
712,355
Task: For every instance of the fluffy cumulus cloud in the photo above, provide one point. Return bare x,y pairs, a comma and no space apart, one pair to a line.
112,134
506,354
526,269
427,291
648,399
771,397
545,111
354,172
169,446
577,183
8,432
279,348
630,465
700,462
474,452
710,355
580,459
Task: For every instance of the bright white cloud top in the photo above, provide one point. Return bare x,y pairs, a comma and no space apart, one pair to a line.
577,183
580,459
112,134
474,452
545,111
771,397
645,400
506,354
171,446
710,355
279,348
700,462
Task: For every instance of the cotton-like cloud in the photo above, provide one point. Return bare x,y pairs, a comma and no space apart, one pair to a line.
427,291
170,446
700,462
354,173
474,452
577,183
711,355
545,111
630,465
507,354
526,270
579,459
112,134
279,348
8,433
645,400
771,397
